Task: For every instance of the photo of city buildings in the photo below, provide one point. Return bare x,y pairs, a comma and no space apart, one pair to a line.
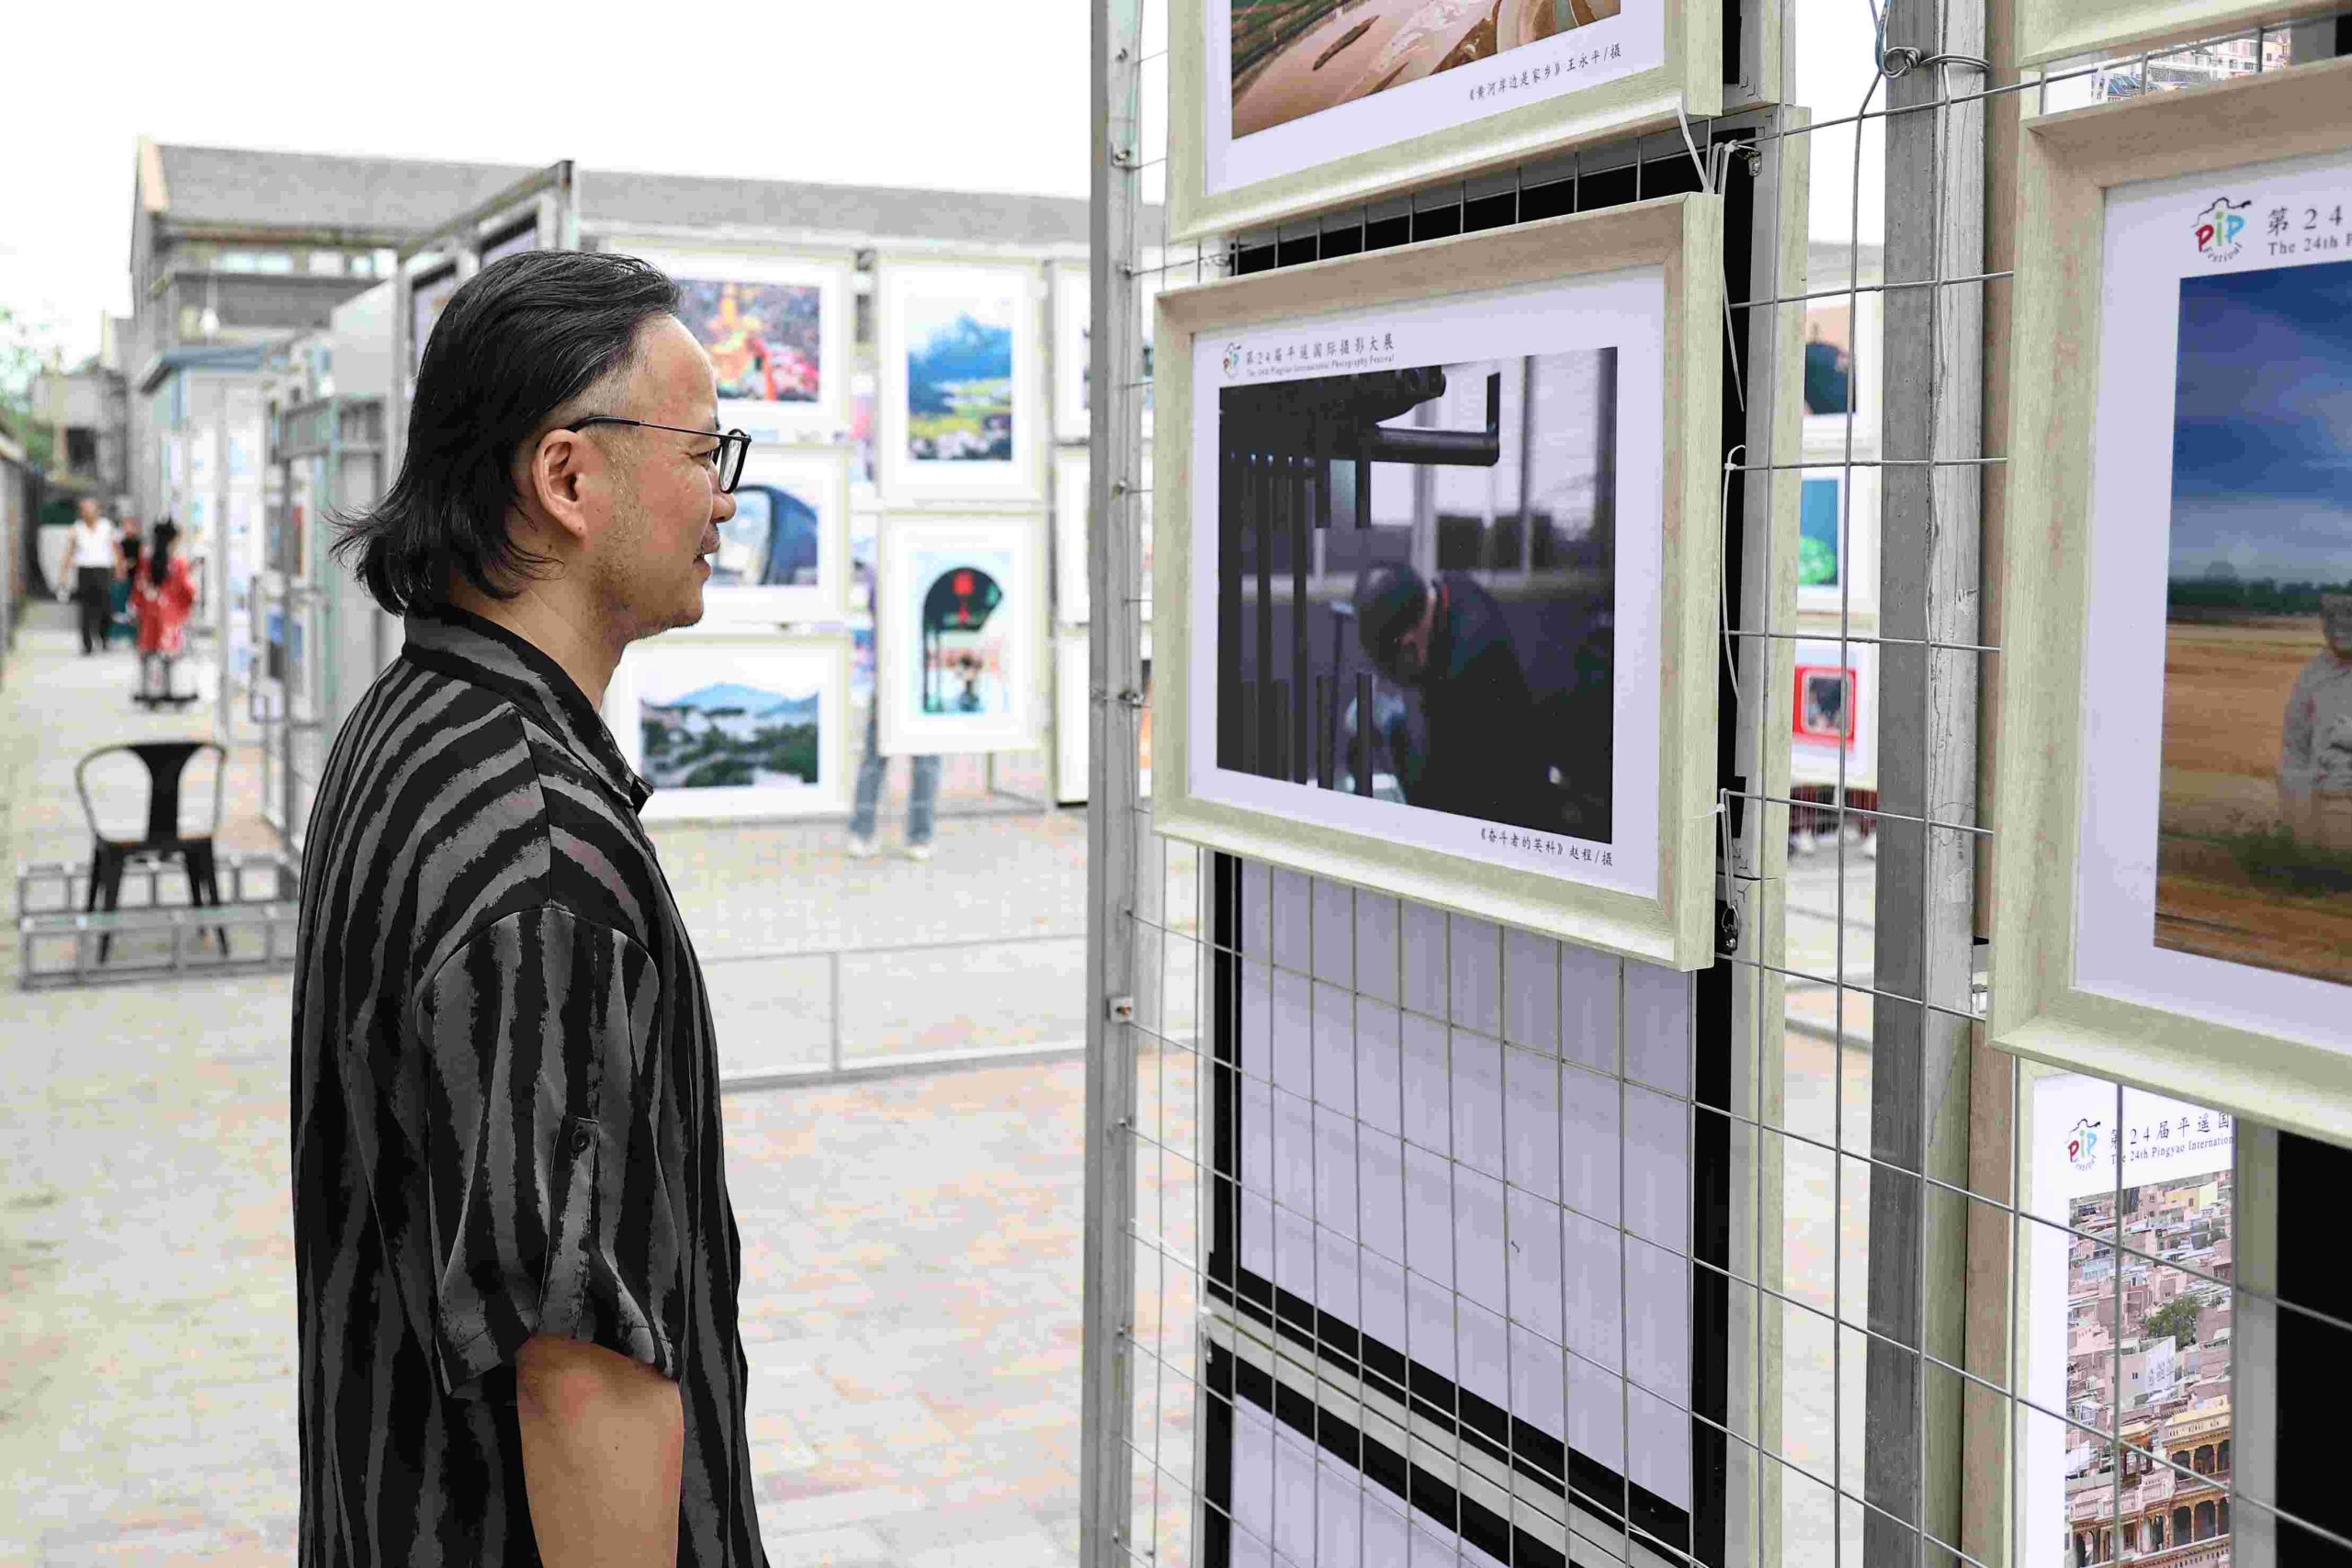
2149,1349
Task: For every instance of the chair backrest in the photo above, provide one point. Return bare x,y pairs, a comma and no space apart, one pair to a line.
152,792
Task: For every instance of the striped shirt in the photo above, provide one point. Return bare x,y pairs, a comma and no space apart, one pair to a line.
505,1114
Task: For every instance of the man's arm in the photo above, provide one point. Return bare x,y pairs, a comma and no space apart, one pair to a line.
604,1439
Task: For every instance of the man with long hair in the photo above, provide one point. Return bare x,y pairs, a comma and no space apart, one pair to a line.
516,1263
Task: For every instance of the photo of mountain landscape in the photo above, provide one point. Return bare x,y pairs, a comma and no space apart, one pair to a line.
959,377
729,735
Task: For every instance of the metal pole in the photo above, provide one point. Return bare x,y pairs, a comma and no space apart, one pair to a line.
1929,589
1112,821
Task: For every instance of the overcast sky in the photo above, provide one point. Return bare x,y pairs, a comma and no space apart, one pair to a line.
928,93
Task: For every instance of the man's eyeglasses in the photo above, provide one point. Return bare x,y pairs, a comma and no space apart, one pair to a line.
727,457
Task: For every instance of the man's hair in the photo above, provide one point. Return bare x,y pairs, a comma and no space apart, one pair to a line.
521,338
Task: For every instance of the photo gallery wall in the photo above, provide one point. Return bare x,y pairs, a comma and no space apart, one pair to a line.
971,440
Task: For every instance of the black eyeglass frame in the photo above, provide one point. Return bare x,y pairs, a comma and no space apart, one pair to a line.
734,445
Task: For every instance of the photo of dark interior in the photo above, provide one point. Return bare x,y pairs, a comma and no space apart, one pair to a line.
1416,587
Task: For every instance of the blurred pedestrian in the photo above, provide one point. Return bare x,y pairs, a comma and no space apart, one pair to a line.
92,562
516,1266
163,592
922,797
120,616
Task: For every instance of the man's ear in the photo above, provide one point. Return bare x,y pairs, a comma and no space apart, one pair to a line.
560,479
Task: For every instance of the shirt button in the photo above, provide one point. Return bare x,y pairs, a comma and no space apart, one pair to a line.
580,1138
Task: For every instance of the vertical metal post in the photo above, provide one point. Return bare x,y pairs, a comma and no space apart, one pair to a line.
1928,594
1113,827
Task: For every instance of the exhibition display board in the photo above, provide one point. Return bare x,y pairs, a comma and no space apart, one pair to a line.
1281,107
2174,898
1379,727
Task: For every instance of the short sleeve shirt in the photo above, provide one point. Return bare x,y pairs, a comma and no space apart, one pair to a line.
505,1114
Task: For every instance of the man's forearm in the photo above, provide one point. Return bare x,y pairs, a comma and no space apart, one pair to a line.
603,1440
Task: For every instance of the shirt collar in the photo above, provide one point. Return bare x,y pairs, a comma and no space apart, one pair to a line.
452,642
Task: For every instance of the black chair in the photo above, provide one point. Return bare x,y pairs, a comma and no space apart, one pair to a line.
169,832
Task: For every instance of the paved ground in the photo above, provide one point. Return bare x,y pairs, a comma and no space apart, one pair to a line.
912,1245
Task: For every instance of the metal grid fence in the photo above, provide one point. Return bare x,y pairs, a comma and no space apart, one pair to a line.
1845,1294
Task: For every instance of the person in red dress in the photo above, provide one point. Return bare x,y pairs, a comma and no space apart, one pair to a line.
161,594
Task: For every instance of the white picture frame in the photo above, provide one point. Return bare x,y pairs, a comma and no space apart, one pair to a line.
1856,541
1640,283
810,672
766,537
1816,757
1073,350
1633,70
917,303
1073,507
2057,29
1855,326
713,280
1072,736
1007,675
2117,219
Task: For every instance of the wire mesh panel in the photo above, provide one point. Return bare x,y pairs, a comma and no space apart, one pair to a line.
1417,1239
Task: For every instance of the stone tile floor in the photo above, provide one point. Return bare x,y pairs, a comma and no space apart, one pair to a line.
911,1244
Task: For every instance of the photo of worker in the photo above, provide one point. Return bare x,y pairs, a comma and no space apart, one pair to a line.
2254,852
1454,653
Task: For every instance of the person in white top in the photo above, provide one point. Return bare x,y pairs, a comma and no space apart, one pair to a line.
2315,762
92,560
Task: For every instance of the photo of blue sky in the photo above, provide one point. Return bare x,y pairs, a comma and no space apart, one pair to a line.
2262,431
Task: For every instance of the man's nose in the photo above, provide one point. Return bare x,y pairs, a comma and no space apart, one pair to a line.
723,507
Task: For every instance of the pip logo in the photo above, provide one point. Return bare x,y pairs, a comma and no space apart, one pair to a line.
2082,1144
2218,228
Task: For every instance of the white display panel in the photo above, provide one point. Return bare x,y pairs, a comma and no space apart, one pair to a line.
1469,1149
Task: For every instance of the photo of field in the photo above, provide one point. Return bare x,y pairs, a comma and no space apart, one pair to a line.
959,379
2253,855
760,733
764,338
1294,58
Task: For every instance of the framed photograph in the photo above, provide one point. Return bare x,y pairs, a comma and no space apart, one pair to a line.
1073,480
1834,717
777,325
783,556
748,728
2173,903
1366,682
2056,29
1837,542
961,404
1841,371
428,297
1280,107
960,633
1073,350
1072,738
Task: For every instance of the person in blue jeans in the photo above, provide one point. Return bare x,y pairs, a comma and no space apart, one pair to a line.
922,797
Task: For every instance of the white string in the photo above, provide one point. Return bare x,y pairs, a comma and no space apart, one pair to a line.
1723,569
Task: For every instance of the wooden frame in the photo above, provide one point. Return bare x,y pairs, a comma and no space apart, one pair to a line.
2057,29
1368,160
822,469
2068,165
707,658
1020,539
1677,240
832,274
901,478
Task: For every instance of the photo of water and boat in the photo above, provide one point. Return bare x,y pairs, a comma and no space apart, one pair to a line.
729,734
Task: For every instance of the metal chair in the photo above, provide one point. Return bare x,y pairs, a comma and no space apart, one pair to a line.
173,828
